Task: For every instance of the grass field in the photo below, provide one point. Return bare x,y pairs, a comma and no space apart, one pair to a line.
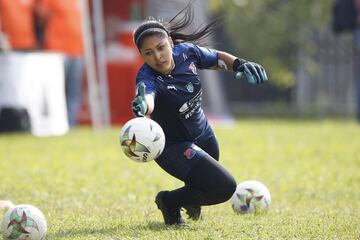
87,189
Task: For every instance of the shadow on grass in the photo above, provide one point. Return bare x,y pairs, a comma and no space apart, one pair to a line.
67,233
159,226
117,230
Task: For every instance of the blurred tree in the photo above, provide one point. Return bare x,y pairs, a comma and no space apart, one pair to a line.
273,32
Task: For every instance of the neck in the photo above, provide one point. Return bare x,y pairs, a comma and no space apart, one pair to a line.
171,67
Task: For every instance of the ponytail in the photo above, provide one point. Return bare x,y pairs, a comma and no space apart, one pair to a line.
175,28
179,23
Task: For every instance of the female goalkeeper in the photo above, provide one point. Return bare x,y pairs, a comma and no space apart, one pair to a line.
169,90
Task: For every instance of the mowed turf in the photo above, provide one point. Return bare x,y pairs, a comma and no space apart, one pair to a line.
88,189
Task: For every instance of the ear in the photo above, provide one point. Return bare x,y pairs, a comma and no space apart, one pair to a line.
171,42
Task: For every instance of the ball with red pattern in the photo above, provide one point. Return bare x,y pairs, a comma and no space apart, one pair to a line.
24,222
250,197
142,139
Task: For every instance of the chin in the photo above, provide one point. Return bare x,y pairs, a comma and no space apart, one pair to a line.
164,70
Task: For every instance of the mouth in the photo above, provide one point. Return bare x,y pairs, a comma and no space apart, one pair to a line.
161,65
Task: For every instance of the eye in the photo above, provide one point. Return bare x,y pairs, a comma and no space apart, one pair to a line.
161,47
147,53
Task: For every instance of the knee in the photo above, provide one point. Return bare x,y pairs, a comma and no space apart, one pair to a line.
228,189
224,191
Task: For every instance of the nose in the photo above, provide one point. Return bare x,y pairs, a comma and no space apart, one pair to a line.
158,56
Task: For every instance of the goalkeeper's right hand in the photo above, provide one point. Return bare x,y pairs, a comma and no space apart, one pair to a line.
139,104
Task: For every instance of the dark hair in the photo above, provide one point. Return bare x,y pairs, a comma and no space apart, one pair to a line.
175,27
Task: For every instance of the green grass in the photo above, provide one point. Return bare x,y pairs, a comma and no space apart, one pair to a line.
87,189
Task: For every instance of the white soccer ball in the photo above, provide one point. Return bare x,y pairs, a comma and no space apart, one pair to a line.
24,222
250,197
142,139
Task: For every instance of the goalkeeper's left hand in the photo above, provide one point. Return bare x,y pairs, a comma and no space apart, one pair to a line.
253,72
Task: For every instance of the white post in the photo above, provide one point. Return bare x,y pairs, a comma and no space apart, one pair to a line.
93,91
98,19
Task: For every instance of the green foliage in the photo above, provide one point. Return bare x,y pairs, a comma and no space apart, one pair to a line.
87,189
273,32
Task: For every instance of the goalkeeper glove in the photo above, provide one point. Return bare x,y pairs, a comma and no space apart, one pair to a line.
139,105
253,72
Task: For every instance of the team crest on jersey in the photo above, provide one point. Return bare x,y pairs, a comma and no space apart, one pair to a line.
192,67
190,87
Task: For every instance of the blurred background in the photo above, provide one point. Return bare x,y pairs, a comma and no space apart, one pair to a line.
78,63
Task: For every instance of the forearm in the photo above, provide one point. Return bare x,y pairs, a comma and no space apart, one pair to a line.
150,103
225,61
253,72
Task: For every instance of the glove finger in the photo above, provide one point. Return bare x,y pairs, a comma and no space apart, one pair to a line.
238,75
139,105
251,79
137,90
142,89
135,102
264,74
139,114
255,71
249,75
261,75
137,111
135,108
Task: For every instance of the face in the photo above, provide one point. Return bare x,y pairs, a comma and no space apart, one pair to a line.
157,53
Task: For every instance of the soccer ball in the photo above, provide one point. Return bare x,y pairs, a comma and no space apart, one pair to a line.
24,222
142,139
250,197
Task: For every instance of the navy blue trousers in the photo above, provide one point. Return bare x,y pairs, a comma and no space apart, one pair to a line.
207,182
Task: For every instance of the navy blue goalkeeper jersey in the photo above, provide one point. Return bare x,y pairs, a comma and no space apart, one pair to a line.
178,95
